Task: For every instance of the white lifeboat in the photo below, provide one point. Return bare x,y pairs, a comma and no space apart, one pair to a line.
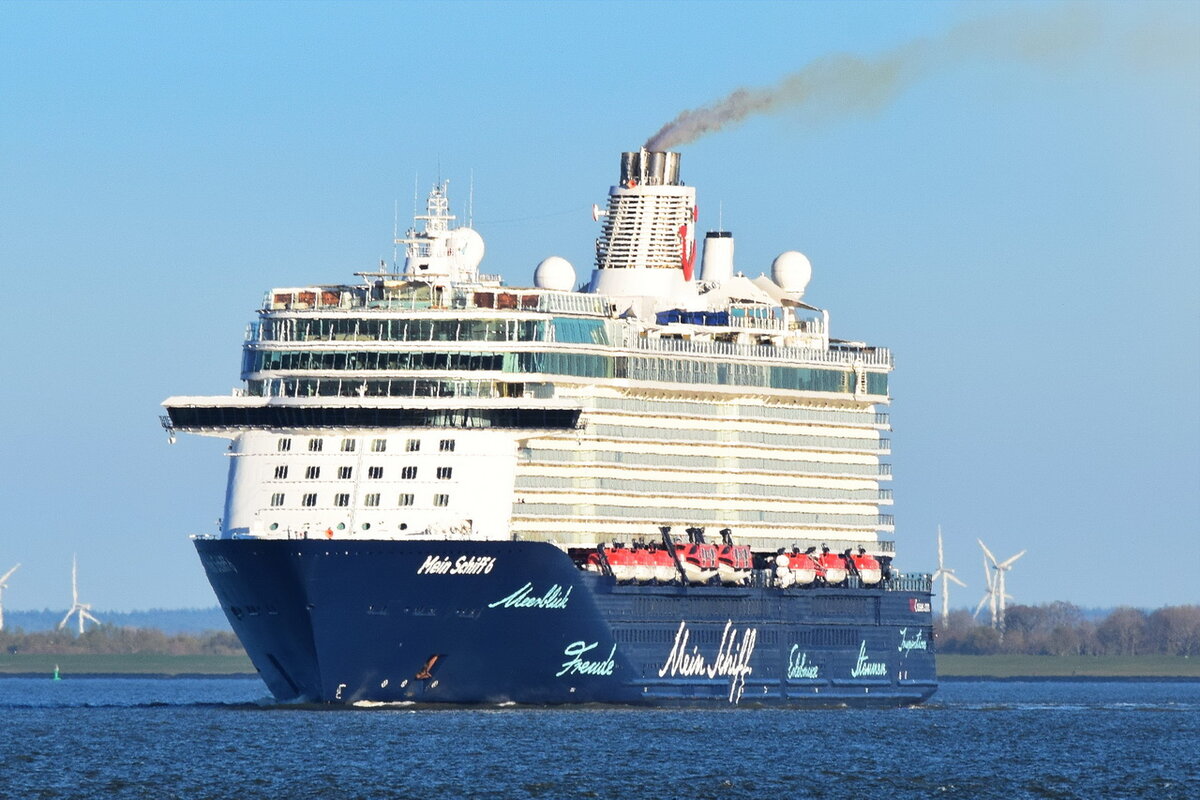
831,567
664,565
699,561
803,567
867,567
733,564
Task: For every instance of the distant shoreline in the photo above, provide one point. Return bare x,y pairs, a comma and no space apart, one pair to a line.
154,676
956,667
952,667
130,664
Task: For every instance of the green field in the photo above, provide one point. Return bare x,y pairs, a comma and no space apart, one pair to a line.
125,664
1016,666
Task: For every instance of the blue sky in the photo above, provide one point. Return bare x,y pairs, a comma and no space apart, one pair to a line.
1023,233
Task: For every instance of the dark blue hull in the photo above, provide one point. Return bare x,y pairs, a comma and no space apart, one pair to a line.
492,622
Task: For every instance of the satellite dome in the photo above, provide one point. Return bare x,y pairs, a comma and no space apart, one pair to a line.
791,271
466,245
555,273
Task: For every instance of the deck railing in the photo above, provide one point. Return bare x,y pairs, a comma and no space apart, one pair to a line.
871,356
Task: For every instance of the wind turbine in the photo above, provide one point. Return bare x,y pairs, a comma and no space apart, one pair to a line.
989,596
81,610
3,586
946,575
998,593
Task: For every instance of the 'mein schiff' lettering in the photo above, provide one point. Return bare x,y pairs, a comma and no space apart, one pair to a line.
732,659
464,565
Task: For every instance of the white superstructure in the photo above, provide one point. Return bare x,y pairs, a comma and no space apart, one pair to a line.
437,402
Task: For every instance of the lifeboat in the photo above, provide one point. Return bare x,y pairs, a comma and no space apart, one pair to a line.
699,561
621,560
733,563
831,567
867,567
643,564
664,565
803,567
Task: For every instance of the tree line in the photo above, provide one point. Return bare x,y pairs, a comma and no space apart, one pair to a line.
1060,629
112,639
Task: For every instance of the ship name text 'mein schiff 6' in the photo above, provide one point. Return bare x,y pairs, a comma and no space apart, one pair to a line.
664,487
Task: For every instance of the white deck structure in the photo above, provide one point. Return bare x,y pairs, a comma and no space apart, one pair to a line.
436,402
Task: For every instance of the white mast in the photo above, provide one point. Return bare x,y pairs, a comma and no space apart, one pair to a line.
439,253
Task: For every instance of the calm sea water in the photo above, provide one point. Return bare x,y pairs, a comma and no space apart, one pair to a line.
222,738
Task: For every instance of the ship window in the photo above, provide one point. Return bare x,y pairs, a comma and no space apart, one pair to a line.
277,499
408,473
310,500
441,499
371,500
375,473
406,499
315,445
446,445
281,472
347,445
274,526
312,473
345,472
341,499
285,444
379,445
413,445
444,473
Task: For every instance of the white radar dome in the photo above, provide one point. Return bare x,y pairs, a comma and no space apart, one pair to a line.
791,271
555,273
466,245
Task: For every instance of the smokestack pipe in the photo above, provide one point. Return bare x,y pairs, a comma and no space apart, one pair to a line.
716,264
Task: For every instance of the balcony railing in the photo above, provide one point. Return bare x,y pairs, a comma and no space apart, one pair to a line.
873,357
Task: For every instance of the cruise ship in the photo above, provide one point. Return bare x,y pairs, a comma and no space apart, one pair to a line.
663,484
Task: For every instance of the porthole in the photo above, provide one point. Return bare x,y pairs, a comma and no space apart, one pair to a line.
341,526
366,526
274,526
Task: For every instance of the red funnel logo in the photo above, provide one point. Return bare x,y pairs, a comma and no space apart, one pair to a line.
687,257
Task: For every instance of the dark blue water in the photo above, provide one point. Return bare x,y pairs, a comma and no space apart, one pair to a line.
221,738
